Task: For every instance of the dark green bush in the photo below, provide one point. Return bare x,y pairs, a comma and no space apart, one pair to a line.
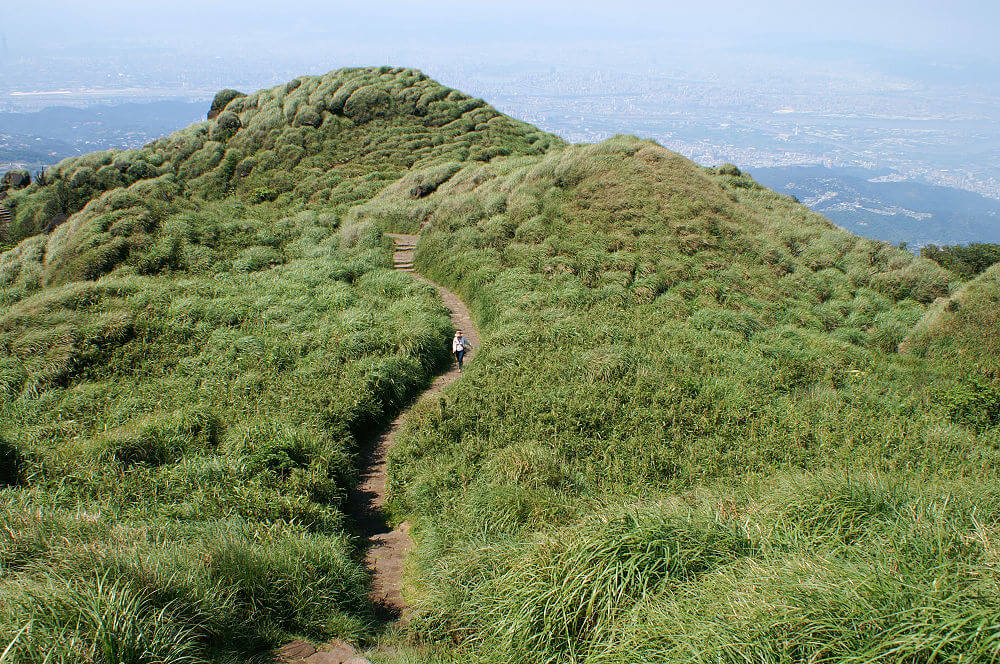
974,401
228,120
965,261
221,100
262,194
307,117
15,179
367,103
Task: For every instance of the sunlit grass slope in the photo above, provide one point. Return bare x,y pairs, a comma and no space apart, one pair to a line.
326,141
689,434
705,424
964,328
190,362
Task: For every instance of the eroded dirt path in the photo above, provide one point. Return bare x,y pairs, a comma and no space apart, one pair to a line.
389,546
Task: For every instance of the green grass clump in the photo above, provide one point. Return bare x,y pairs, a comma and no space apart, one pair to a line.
102,621
799,568
221,100
964,329
167,590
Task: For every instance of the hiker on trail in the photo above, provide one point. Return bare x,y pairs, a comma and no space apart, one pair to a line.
458,346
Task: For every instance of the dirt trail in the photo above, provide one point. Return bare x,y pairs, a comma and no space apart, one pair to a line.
389,547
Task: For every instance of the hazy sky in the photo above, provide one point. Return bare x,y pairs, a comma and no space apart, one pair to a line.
891,59
192,47
968,26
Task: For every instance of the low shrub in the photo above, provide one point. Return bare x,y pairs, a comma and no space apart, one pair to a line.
221,100
974,401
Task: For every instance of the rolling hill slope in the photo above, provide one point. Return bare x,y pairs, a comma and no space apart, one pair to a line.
193,355
690,433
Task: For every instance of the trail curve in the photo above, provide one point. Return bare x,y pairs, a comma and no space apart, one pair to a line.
386,556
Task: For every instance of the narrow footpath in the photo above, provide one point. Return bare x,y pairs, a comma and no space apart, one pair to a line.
389,546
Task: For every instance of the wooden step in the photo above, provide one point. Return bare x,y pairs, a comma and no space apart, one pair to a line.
5,219
402,260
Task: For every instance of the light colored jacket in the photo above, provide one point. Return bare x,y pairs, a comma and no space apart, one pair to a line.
459,343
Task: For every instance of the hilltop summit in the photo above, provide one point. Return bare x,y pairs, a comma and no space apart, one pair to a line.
324,142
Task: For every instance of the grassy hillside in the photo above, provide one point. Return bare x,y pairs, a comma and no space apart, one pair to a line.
689,434
963,332
180,447
192,359
705,424
322,141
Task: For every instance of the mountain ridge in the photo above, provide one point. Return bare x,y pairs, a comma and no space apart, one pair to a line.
689,388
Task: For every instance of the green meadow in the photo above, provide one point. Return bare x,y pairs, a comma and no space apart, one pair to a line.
704,425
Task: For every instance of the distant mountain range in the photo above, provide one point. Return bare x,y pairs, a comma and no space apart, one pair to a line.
872,204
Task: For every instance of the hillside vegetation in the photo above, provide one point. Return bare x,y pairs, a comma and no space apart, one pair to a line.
705,424
965,261
621,475
192,359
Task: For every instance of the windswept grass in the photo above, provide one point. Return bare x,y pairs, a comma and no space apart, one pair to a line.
192,360
798,569
190,440
705,424
651,328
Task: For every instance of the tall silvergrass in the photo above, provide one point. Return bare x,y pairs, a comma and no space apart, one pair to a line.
651,328
574,588
192,362
820,568
79,581
179,439
94,620
964,328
